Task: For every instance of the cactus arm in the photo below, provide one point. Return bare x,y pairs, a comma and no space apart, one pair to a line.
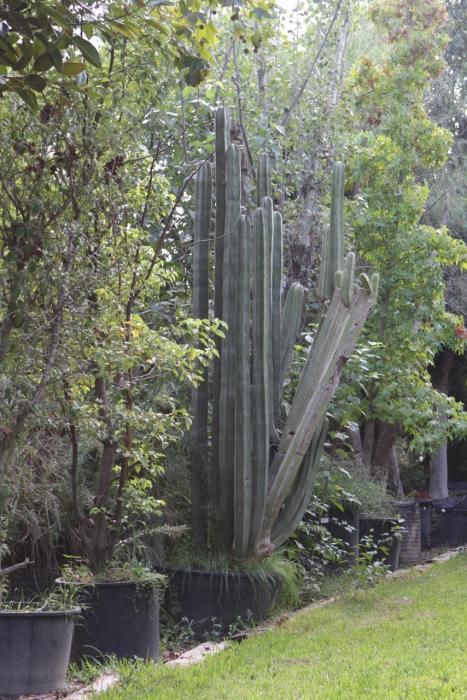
268,208
263,180
199,401
222,137
300,428
226,418
243,462
290,325
260,378
222,144
276,312
332,254
337,217
347,282
290,516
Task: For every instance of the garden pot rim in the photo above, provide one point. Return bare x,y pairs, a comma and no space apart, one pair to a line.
61,580
206,572
66,612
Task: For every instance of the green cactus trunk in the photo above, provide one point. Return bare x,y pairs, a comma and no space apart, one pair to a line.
222,144
262,472
199,428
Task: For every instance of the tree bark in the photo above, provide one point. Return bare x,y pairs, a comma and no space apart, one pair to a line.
439,472
439,459
381,455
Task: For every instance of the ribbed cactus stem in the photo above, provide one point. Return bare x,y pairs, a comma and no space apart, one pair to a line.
260,376
276,313
332,253
226,418
310,405
222,144
263,180
268,208
199,431
290,325
243,428
292,513
222,137
348,276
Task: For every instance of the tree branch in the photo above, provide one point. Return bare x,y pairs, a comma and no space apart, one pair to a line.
296,100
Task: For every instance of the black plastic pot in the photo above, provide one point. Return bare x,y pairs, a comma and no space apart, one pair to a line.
213,600
449,526
380,528
120,619
34,651
411,544
425,522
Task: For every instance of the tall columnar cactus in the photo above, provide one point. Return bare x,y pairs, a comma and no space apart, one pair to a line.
262,471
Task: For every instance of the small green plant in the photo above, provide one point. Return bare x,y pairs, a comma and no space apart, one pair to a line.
62,598
175,636
77,572
369,566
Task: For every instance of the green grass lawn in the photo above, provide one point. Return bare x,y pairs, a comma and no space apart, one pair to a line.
404,638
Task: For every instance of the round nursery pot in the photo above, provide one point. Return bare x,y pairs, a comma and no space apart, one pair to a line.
380,528
211,600
118,618
411,544
425,505
34,651
449,525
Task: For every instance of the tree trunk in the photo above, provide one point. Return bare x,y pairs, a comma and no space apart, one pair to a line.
381,455
439,459
439,472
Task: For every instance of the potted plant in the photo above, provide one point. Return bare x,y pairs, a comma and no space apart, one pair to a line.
120,611
252,471
35,640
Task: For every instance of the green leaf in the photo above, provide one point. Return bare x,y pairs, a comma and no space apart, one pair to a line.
28,97
61,17
73,68
90,53
36,82
56,58
129,31
43,62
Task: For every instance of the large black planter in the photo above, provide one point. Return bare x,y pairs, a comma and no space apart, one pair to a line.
120,619
380,529
449,526
410,551
34,651
426,505
212,600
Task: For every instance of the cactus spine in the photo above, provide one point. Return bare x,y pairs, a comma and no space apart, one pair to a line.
262,472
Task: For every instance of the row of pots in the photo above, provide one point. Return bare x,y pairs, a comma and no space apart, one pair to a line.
426,524
123,618
36,647
120,619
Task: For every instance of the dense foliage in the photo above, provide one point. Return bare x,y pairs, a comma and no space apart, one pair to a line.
106,116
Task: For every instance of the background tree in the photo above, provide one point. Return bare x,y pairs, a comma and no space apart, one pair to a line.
396,145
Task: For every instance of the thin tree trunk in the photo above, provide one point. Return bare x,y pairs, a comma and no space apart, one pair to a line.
439,472
383,461
439,459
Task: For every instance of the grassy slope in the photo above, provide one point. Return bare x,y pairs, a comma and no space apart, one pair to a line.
405,638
